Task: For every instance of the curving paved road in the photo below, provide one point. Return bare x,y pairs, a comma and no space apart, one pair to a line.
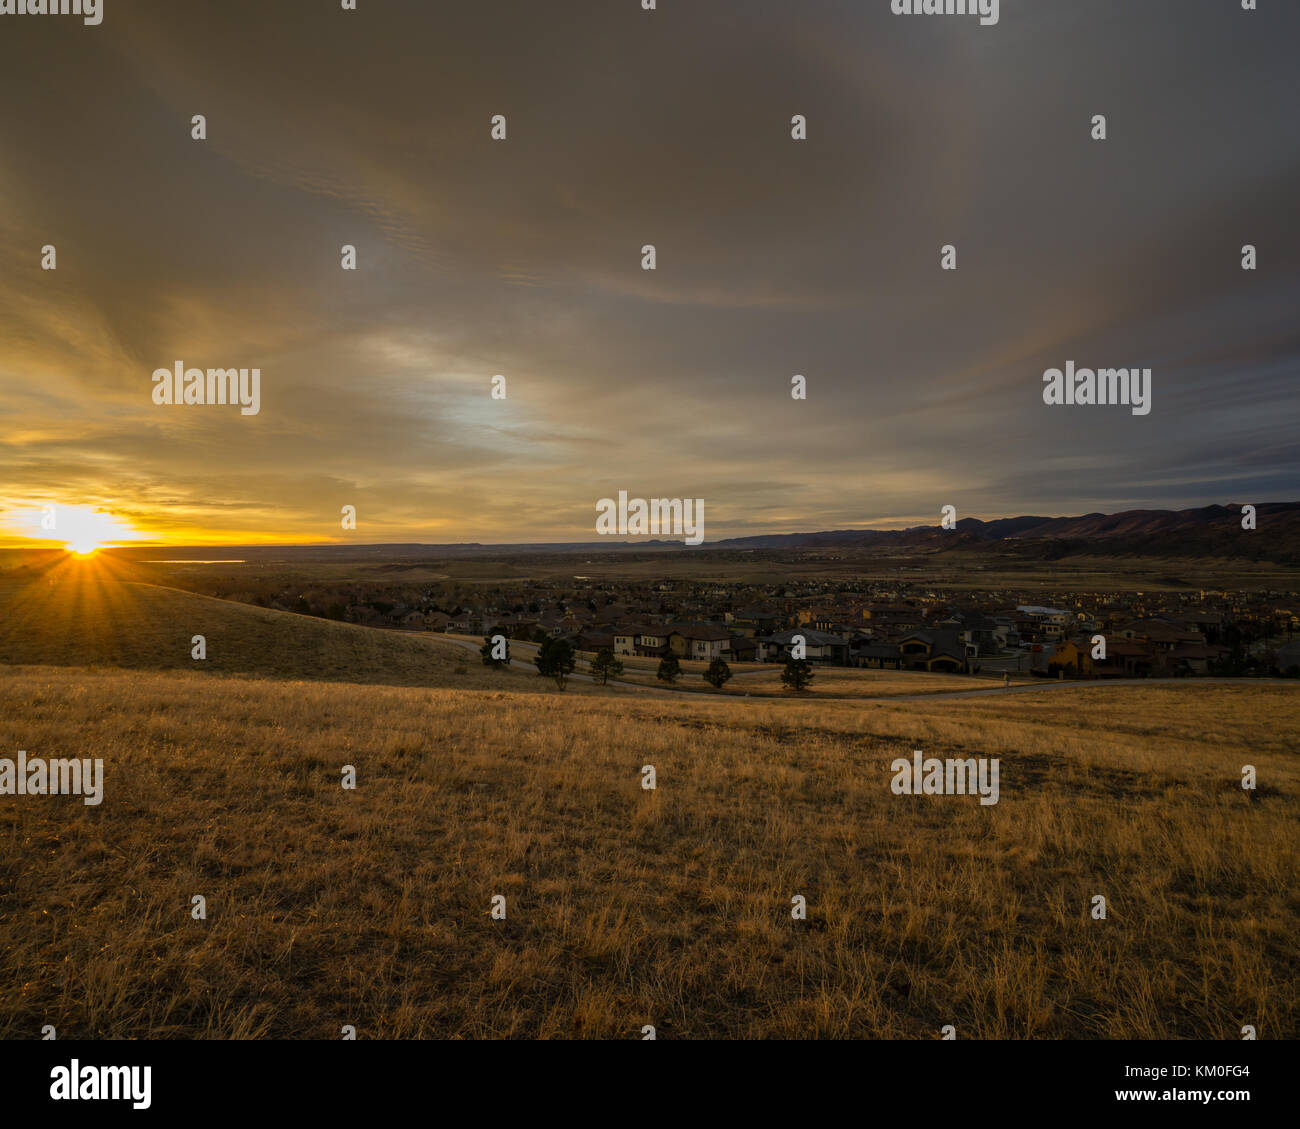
1089,684
998,690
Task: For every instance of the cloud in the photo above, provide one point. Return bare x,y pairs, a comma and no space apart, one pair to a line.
523,258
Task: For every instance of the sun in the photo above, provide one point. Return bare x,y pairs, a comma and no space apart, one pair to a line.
81,529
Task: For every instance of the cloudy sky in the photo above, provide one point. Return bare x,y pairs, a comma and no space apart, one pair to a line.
523,258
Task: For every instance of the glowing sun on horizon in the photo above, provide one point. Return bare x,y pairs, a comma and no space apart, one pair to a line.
80,529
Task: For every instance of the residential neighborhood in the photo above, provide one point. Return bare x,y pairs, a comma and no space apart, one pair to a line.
906,625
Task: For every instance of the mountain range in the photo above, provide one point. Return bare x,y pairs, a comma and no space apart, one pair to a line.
1208,532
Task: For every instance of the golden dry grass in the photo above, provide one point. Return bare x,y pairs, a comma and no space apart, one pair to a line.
82,615
628,907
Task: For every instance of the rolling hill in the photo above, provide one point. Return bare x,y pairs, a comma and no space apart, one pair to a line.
78,614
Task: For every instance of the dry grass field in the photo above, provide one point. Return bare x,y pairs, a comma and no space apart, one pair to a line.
80,616
628,907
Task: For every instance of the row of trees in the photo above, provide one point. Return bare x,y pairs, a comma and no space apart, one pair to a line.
557,659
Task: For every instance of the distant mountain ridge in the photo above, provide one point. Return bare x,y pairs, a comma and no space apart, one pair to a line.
1207,531
1214,531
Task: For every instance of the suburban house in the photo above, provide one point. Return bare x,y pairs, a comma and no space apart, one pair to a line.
595,639
1175,649
743,648
1049,623
1209,623
865,652
819,619
1123,659
982,631
1129,656
819,646
943,651
703,641
1004,627
758,620
625,638
1194,658
1159,634
891,620
652,642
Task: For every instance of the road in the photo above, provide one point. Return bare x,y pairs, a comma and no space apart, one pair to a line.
998,690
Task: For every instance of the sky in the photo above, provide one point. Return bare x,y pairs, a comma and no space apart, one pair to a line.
774,257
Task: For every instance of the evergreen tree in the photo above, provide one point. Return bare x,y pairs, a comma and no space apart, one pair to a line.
490,645
798,674
717,674
556,659
605,666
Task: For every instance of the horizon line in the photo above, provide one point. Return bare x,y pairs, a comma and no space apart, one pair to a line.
54,545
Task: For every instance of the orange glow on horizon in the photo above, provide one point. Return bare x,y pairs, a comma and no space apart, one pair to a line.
81,530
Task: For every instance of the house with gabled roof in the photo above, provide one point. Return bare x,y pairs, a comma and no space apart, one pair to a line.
819,646
704,641
944,651
652,642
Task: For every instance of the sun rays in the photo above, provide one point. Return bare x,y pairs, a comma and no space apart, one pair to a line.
81,529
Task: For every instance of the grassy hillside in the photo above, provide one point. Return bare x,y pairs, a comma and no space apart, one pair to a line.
82,614
624,906
79,615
